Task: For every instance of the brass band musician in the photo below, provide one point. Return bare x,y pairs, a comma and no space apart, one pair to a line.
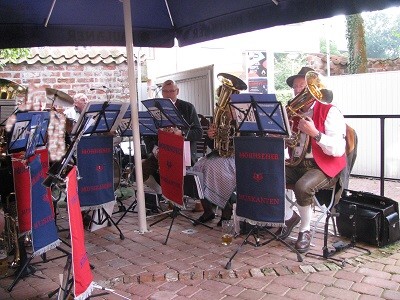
170,90
73,113
218,167
324,158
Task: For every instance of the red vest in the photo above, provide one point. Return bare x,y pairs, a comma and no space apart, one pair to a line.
330,165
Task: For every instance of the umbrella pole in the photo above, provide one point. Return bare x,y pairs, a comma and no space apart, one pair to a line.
134,116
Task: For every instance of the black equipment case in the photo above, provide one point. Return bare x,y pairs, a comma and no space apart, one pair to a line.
376,217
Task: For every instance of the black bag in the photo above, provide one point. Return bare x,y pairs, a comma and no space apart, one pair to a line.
377,217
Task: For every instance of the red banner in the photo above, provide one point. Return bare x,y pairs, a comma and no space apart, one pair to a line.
22,185
83,277
170,160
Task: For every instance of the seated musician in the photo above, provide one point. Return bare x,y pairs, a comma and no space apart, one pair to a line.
323,161
219,176
171,90
73,113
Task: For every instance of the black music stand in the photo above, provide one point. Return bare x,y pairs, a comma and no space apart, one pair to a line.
100,118
146,124
96,117
108,116
146,128
165,114
29,132
263,115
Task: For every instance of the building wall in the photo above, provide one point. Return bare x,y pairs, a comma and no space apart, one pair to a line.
72,78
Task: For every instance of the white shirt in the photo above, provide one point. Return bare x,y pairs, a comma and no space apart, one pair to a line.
333,139
71,113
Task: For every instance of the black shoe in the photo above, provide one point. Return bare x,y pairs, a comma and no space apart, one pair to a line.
303,242
284,232
204,219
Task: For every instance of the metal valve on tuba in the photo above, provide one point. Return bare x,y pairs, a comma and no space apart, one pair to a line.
225,131
315,90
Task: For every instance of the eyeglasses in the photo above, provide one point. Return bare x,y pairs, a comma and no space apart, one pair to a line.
168,91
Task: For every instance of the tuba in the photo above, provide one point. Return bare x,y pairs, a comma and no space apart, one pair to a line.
11,90
315,90
225,130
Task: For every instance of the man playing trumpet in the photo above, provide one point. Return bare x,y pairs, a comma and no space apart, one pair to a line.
323,125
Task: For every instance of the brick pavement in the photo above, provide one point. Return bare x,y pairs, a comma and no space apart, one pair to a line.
192,266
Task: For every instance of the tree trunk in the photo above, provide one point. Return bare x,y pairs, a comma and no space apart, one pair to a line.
356,44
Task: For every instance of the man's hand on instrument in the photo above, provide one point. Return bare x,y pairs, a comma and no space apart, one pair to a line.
307,126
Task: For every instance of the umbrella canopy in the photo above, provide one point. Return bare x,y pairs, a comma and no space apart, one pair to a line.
156,23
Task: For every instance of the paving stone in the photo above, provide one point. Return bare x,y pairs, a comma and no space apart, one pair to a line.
256,272
383,283
308,269
171,276
320,267
141,267
368,289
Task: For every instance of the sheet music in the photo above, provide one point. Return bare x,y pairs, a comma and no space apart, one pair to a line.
164,113
260,113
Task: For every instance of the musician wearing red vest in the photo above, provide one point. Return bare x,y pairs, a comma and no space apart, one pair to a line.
322,162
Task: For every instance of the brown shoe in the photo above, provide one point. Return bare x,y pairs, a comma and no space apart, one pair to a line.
283,232
303,242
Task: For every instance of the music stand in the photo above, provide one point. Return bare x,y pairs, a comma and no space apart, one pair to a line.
164,113
102,195
263,115
29,132
107,115
146,128
260,114
146,124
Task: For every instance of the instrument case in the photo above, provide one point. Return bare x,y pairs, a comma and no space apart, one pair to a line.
377,217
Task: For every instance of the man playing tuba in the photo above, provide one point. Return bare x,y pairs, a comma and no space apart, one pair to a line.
323,125
218,167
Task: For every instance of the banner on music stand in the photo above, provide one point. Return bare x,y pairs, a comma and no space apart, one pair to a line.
260,176
22,186
95,165
82,275
170,160
44,230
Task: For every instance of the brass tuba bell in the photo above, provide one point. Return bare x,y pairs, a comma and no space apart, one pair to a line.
316,89
225,130
11,90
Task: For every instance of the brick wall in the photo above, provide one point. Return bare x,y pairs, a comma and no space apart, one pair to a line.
72,78
339,64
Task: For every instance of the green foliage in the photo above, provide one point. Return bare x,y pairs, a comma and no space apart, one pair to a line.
383,34
7,55
333,49
287,64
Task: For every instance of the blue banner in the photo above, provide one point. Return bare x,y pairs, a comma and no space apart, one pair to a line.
44,230
260,176
95,165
